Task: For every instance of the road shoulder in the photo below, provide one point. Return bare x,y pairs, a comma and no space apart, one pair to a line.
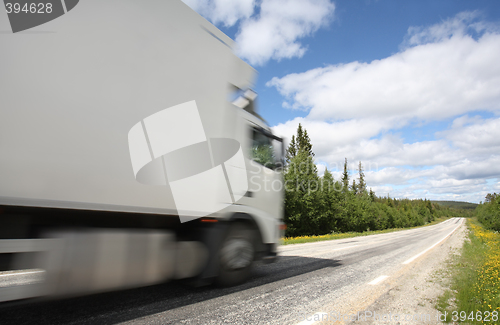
415,290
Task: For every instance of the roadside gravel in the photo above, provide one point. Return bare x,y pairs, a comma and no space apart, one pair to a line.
416,288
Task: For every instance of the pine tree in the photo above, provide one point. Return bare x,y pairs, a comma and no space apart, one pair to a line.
389,201
354,187
372,195
303,142
302,184
291,151
307,145
329,208
345,177
362,184
300,138
327,181
428,204
298,144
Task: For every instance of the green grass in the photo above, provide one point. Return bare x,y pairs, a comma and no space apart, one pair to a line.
444,301
475,283
310,239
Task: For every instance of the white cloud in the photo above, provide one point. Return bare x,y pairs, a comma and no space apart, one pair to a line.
327,136
480,137
226,12
415,184
444,30
321,169
453,75
468,169
275,33
351,139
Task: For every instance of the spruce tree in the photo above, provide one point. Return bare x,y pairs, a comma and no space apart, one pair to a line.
300,137
302,199
354,187
345,177
362,184
303,142
328,210
372,195
306,144
291,151
327,181
389,201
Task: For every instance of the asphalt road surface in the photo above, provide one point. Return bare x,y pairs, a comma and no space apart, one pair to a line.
340,276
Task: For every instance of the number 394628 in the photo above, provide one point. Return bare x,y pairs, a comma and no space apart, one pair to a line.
32,8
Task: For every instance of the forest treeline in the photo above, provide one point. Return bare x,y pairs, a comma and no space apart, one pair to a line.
458,204
317,205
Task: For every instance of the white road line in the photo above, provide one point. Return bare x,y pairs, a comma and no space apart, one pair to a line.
378,280
428,249
318,317
22,273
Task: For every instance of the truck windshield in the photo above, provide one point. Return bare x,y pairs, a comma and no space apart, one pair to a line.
266,149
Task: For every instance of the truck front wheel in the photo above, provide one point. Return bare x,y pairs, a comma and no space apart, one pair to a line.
236,255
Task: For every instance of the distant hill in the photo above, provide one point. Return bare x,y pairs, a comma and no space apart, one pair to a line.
457,204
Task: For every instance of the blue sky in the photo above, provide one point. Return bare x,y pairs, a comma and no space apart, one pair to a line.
409,88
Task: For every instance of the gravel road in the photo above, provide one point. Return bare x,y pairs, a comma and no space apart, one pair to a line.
337,278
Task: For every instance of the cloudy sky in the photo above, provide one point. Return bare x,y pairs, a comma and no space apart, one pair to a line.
409,88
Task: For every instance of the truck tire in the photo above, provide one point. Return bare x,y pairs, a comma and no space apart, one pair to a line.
236,255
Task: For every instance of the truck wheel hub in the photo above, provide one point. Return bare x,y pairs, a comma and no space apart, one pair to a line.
237,254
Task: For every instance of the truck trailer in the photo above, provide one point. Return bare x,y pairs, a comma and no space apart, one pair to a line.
131,151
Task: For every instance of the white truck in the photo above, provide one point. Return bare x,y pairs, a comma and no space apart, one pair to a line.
131,152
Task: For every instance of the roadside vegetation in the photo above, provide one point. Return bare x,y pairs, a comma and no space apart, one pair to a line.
322,208
309,239
474,293
488,213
